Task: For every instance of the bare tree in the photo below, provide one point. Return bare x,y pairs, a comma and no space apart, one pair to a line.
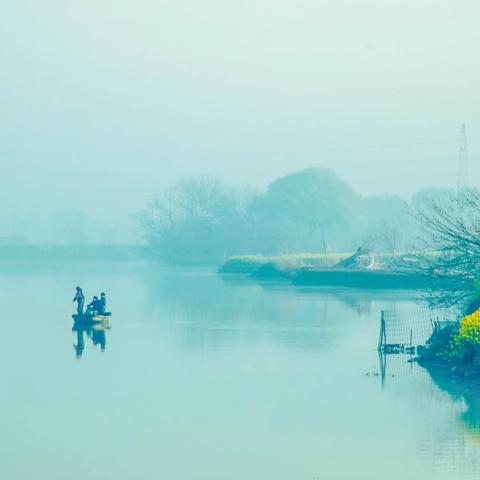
199,219
391,236
450,246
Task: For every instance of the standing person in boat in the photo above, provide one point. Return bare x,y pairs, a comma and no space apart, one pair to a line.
102,304
80,299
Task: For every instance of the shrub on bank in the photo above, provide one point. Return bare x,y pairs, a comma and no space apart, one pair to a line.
464,347
457,346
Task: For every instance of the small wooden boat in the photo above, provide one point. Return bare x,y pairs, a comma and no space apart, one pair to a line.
91,318
91,326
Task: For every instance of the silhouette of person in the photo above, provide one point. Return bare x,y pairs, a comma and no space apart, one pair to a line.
102,303
80,299
94,305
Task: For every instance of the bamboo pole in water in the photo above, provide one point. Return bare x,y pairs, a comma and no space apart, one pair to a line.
383,336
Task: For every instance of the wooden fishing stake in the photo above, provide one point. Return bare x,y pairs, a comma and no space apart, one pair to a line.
382,357
382,341
411,349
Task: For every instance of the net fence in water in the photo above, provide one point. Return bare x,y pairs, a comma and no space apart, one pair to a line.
403,328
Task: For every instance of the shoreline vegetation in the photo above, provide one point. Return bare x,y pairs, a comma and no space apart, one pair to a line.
78,253
455,350
253,263
204,220
339,269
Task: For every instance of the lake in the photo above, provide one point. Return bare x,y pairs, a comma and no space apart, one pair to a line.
210,377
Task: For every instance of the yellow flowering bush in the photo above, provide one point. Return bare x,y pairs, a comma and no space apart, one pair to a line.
466,340
470,328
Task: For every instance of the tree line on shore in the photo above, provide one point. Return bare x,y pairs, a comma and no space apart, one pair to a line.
204,220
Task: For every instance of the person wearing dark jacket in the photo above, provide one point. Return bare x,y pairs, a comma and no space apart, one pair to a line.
102,304
94,306
80,299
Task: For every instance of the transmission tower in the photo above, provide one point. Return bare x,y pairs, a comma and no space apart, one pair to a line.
462,160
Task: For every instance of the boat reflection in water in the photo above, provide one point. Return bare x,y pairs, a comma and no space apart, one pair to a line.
95,330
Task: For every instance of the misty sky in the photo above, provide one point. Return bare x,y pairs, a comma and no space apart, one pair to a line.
103,102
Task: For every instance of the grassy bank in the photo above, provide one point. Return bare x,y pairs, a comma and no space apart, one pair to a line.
319,270
455,350
371,279
252,264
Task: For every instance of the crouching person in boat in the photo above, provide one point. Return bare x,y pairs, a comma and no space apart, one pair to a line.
94,306
80,299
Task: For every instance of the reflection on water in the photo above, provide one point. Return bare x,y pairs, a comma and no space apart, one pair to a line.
450,440
465,393
95,332
394,364
221,310
211,378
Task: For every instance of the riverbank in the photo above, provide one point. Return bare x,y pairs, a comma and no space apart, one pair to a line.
253,264
453,351
50,253
442,369
360,279
321,270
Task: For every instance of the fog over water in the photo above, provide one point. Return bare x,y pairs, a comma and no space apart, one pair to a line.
203,377
254,189
105,103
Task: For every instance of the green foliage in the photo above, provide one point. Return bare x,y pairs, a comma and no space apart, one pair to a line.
465,343
202,220
253,263
458,345
308,209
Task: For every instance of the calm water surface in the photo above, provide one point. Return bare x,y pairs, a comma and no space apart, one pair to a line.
204,377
